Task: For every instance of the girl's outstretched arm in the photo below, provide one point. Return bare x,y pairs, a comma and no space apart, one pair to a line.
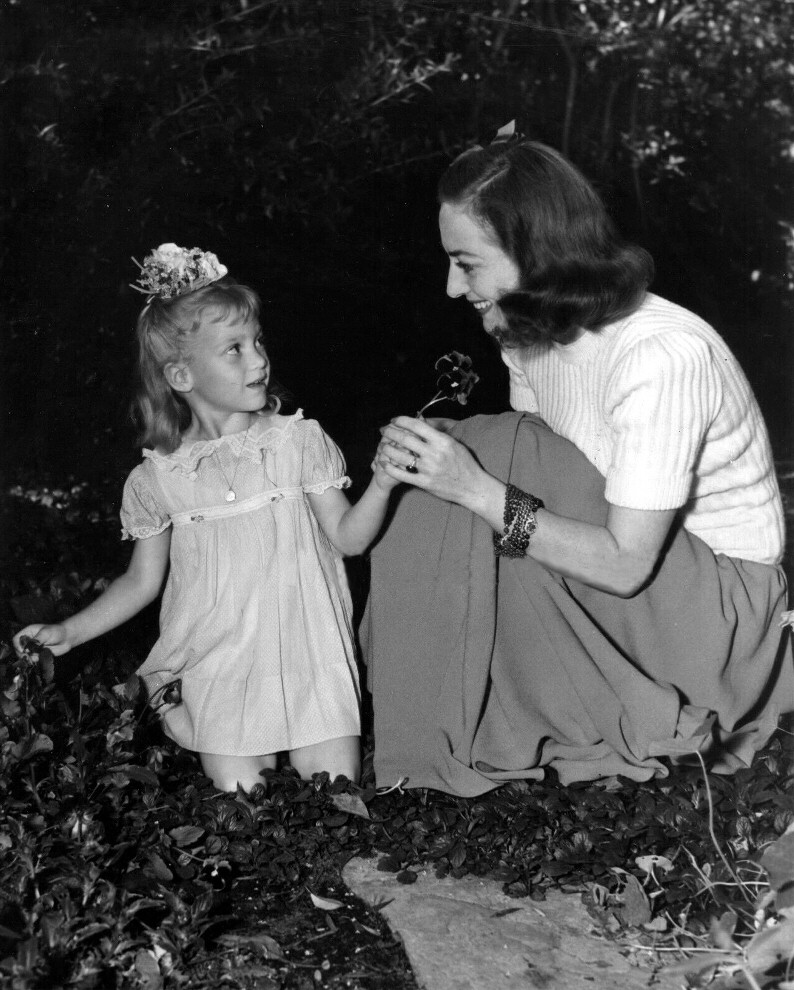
126,596
351,528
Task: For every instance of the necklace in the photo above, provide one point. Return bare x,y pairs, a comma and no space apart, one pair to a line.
231,495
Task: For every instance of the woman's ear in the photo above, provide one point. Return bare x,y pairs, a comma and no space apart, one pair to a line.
178,376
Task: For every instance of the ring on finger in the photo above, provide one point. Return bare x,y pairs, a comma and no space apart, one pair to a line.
411,467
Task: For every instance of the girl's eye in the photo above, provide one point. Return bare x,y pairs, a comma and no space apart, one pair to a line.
234,349
464,266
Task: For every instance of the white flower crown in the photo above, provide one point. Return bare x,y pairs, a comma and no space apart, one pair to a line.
171,271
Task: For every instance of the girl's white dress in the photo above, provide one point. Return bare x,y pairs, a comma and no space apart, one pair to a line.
256,618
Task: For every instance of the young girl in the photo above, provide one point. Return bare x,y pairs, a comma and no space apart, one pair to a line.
246,505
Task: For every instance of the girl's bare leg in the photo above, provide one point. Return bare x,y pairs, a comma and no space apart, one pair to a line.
337,756
226,772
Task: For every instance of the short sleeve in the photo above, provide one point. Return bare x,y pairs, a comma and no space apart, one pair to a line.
661,398
522,395
323,465
142,515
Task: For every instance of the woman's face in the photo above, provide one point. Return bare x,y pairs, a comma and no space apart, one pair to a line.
479,269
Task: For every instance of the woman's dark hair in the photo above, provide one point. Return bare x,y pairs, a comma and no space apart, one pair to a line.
576,271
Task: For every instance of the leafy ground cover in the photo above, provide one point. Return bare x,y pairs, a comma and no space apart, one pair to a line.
121,866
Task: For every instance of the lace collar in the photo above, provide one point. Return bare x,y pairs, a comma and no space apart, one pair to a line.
261,439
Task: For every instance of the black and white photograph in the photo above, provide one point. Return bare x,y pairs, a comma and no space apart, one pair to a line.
397,494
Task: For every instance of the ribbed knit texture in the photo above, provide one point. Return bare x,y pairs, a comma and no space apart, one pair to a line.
659,405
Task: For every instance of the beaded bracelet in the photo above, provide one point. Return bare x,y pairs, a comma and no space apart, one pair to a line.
520,523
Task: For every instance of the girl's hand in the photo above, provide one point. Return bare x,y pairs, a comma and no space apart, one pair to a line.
54,637
385,482
442,466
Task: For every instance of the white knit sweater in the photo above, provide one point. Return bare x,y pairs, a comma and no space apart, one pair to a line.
659,405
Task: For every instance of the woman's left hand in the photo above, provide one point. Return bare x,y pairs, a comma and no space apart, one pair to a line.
416,453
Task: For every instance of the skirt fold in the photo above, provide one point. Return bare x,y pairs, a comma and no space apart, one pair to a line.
483,671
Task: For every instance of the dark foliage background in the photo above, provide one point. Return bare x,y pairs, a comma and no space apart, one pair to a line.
301,142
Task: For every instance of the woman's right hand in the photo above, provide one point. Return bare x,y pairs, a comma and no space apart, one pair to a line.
428,458
54,637
441,423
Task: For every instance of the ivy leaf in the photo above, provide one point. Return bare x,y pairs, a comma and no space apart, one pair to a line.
142,774
325,903
334,821
161,871
634,908
148,969
186,835
88,931
351,803
133,689
771,946
142,904
554,868
267,946
31,746
778,861
457,856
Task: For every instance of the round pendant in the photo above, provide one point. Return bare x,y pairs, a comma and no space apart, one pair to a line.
230,496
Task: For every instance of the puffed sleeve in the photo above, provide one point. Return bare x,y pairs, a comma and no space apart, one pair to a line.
323,465
662,397
522,395
142,514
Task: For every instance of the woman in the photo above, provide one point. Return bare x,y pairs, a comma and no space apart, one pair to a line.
596,585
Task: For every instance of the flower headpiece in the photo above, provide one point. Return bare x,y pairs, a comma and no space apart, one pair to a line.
171,271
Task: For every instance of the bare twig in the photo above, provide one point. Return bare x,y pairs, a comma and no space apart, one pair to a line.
715,843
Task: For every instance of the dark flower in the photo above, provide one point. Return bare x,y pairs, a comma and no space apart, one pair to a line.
455,382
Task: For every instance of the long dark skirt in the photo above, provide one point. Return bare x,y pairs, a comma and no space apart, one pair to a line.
485,670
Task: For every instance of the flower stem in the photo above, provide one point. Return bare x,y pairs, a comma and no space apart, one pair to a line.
438,397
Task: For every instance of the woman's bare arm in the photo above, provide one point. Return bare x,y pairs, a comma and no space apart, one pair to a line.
618,557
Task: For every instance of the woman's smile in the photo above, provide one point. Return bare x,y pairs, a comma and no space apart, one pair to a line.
479,268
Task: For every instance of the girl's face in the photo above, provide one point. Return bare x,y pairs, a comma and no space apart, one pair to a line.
479,268
227,368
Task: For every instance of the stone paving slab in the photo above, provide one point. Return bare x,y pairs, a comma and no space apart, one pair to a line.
467,935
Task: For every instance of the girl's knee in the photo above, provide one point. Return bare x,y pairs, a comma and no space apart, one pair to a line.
336,757
229,772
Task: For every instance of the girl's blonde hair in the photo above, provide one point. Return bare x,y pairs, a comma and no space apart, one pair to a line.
163,330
